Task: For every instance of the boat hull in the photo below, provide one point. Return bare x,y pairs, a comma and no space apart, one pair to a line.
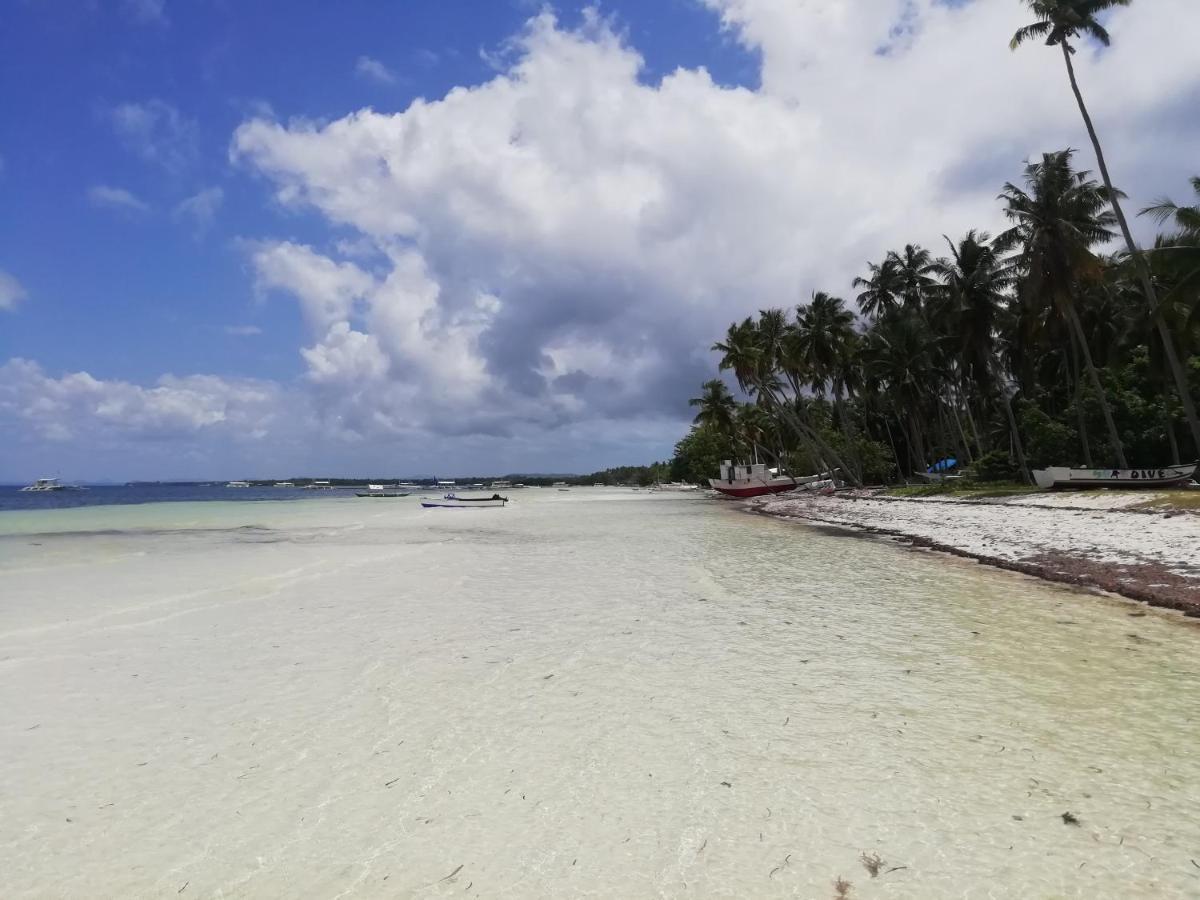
450,504
753,490
1062,478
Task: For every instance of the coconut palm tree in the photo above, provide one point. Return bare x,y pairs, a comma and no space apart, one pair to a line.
716,408
1058,23
881,289
914,274
824,341
1056,224
1185,218
976,281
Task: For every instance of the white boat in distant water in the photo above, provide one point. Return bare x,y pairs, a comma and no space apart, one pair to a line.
51,484
237,484
1057,477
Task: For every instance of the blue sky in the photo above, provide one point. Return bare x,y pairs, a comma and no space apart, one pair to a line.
229,245
129,294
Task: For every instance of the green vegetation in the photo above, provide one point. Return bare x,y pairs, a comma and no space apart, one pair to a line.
1028,349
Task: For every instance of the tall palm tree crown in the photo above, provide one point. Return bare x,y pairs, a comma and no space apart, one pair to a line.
1060,21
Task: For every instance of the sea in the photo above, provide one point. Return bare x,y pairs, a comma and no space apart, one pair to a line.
594,693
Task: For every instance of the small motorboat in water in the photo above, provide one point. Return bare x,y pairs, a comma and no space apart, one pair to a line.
51,484
1058,477
453,501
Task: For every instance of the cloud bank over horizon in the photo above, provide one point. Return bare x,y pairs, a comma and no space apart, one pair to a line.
537,264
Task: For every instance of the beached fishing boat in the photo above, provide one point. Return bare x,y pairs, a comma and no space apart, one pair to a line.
453,501
756,480
378,490
1058,477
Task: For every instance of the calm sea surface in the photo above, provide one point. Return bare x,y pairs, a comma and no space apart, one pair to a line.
597,693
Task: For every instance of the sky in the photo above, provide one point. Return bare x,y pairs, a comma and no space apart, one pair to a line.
296,237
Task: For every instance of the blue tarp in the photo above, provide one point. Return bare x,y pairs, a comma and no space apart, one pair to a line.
943,466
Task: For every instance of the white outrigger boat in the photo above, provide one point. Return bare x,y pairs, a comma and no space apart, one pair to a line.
453,501
1057,477
756,480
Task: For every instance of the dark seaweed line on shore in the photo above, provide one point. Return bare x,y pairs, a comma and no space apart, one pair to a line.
1188,608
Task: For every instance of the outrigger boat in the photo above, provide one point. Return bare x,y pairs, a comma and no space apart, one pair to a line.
453,501
378,490
756,480
1057,477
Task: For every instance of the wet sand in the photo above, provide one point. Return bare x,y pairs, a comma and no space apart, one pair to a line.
587,694
1104,540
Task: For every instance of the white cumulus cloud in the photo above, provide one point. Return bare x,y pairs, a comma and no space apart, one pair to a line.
564,241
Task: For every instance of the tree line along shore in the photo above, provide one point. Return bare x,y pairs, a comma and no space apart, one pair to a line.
1037,346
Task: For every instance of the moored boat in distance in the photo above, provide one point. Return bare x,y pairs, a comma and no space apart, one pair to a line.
51,484
453,501
237,484
1060,477
756,480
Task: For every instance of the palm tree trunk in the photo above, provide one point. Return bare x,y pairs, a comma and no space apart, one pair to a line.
806,433
1113,434
895,454
1177,372
1016,436
840,409
1174,444
1077,390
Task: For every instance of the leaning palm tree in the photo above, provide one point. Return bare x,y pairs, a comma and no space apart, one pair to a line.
717,408
1056,224
1058,23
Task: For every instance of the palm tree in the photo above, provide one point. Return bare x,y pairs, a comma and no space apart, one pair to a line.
753,354
900,358
914,274
823,340
716,407
1186,218
1056,224
976,282
881,289
1058,23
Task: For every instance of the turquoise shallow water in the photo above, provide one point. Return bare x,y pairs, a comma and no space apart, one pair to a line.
591,694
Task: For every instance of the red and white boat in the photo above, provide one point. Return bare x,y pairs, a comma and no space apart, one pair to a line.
756,480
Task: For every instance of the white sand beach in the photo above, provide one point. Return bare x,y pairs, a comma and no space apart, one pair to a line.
587,694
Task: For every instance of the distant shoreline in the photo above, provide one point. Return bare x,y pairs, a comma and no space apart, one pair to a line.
1091,540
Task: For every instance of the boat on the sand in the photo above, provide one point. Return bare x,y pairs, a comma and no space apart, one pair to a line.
756,480
1059,477
453,501
378,490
